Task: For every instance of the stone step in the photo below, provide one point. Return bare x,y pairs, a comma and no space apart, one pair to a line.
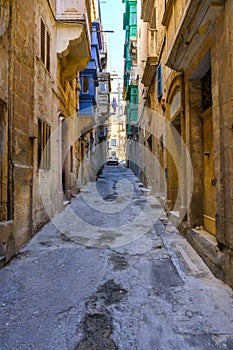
191,267
207,248
146,191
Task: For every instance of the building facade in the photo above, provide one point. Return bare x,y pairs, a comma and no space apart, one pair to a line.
94,105
185,120
117,121
103,114
88,106
198,51
131,80
17,60
43,46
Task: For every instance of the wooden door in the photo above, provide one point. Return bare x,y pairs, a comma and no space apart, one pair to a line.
209,179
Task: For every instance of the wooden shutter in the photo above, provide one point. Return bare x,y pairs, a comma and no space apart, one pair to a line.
159,81
42,41
39,143
48,52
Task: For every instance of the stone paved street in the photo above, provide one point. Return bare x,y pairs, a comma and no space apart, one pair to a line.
110,272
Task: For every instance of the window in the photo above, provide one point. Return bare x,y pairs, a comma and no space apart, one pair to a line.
103,98
44,45
48,52
85,86
175,103
71,159
159,81
133,31
113,142
44,132
206,91
103,87
133,18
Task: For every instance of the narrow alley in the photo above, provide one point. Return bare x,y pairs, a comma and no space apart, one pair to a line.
116,175
112,282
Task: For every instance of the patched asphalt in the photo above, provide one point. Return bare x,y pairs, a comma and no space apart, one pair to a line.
108,273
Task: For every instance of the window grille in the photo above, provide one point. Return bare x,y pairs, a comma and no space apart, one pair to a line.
44,45
48,52
159,81
44,132
113,142
85,87
42,41
206,91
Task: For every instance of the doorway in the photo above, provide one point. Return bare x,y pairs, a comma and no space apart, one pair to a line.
65,160
209,180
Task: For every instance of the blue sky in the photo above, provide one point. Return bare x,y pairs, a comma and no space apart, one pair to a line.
112,19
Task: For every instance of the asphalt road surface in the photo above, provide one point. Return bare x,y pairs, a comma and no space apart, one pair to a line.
110,272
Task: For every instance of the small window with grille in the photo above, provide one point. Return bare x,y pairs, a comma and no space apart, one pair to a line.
44,45
113,142
159,81
44,132
85,85
206,90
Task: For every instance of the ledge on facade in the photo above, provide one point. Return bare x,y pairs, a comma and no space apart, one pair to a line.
148,11
73,47
167,12
192,31
150,70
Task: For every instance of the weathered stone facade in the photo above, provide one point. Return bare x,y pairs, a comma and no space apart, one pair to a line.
38,112
17,98
194,52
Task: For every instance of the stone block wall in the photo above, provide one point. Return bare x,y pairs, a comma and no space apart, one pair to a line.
208,46
21,80
35,97
16,101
